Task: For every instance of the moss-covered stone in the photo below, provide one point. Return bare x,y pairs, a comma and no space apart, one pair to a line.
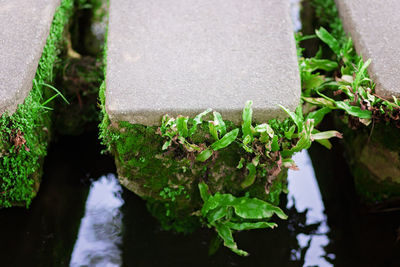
373,154
144,168
24,135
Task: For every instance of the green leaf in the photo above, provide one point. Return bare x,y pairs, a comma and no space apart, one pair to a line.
320,101
254,208
198,120
321,64
203,188
297,119
246,148
264,137
217,214
326,135
219,123
204,155
290,132
265,127
318,115
247,116
247,140
327,38
313,81
226,234
213,130
275,144
251,177
250,225
58,93
326,143
360,74
354,111
217,200
304,142
226,140
240,164
256,160
188,146
182,125
166,145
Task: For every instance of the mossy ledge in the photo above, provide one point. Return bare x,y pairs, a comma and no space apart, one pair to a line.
168,179
25,134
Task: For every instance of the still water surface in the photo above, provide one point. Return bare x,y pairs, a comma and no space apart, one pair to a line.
82,217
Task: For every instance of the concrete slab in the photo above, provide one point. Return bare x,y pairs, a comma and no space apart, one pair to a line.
24,26
375,29
184,56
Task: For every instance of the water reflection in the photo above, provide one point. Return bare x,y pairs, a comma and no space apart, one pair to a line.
304,193
117,230
100,232
295,6
358,237
71,222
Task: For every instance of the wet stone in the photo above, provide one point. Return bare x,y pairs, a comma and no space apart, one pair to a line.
182,57
375,29
24,27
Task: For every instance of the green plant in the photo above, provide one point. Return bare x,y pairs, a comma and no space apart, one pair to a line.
351,90
349,87
226,213
268,146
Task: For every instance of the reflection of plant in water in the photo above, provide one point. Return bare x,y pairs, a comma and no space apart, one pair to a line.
297,224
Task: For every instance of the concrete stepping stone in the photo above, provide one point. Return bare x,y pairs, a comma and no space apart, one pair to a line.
24,26
181,57
375,29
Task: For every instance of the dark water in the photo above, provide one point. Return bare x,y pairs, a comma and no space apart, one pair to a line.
82,217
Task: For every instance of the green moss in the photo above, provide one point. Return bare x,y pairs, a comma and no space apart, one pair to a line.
20,163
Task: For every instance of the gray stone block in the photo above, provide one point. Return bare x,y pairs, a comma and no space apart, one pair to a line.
24,26
375,29
181,57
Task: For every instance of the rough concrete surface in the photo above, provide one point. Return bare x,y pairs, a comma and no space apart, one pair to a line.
24,26
184,56
375,29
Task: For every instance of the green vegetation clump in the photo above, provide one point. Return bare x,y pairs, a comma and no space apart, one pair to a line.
336,78
165,165
25,134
